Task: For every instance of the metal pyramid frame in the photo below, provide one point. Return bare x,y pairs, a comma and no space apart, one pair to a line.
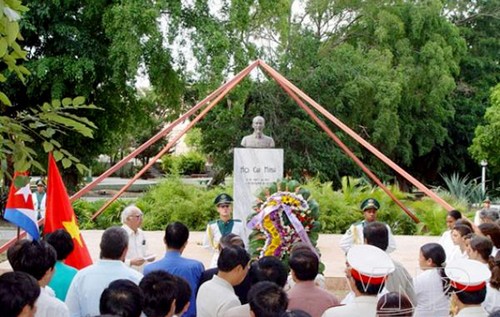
298,96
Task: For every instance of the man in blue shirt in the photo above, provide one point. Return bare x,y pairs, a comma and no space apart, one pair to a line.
176,237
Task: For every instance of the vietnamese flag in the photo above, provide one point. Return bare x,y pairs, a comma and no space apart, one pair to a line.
59,214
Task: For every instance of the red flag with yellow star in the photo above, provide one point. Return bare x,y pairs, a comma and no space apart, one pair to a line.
59,214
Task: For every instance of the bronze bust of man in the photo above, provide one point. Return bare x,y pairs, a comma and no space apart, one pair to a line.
257,139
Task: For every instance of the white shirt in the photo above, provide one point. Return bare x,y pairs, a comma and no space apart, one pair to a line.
365,306
88,284
354,235
431,299
137,247
473,311
492,300
456,254
47,305
215,298
213,235
43,202
239,311
447,243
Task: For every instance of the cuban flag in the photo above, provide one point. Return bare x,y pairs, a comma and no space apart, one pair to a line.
19,209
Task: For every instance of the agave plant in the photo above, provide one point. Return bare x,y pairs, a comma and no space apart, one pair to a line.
466,191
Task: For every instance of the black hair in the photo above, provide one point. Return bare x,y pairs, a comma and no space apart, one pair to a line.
269,268
394,304
159,289
62,242
33,257
471,298
455,214
114,241
295,313
493,231
464,222
231,239
305,265
176,235
17,290
183,294
231,257
122,298
483,246
436,253
266,299
368,288
490,214
462,229
376,234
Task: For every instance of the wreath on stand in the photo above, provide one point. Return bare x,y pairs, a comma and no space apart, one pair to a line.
284,214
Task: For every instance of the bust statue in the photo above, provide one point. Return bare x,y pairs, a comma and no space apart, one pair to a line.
257,139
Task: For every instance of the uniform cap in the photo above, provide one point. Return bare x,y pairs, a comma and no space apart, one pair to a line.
370,203
223,199
369,264
40,183
467,275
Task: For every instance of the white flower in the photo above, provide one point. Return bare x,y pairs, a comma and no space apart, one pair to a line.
12,15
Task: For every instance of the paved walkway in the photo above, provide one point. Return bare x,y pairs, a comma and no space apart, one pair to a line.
332,256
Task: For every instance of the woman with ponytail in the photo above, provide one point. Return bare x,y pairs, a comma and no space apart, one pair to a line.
432,285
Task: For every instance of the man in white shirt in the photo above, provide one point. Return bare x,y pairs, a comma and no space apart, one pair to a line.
137,253
89,283
38,259
217,296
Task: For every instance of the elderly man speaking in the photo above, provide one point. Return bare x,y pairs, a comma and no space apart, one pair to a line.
137,253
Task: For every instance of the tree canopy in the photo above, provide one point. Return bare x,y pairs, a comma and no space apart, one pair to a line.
386,70
42,123
411,77
95,49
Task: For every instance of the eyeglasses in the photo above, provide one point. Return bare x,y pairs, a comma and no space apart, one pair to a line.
136,216
224,206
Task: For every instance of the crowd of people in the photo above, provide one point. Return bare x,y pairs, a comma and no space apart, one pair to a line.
459,276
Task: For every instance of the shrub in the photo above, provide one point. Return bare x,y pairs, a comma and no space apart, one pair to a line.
110,217
186,164
172,200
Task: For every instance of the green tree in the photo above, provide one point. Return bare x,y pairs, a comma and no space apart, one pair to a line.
95,49
386,70
486,143
479,23
39,123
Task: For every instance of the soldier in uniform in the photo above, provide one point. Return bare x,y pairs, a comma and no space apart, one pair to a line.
225,225
40,198
486,207
354,235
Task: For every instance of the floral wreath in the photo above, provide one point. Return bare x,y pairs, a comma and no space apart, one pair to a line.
283,219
